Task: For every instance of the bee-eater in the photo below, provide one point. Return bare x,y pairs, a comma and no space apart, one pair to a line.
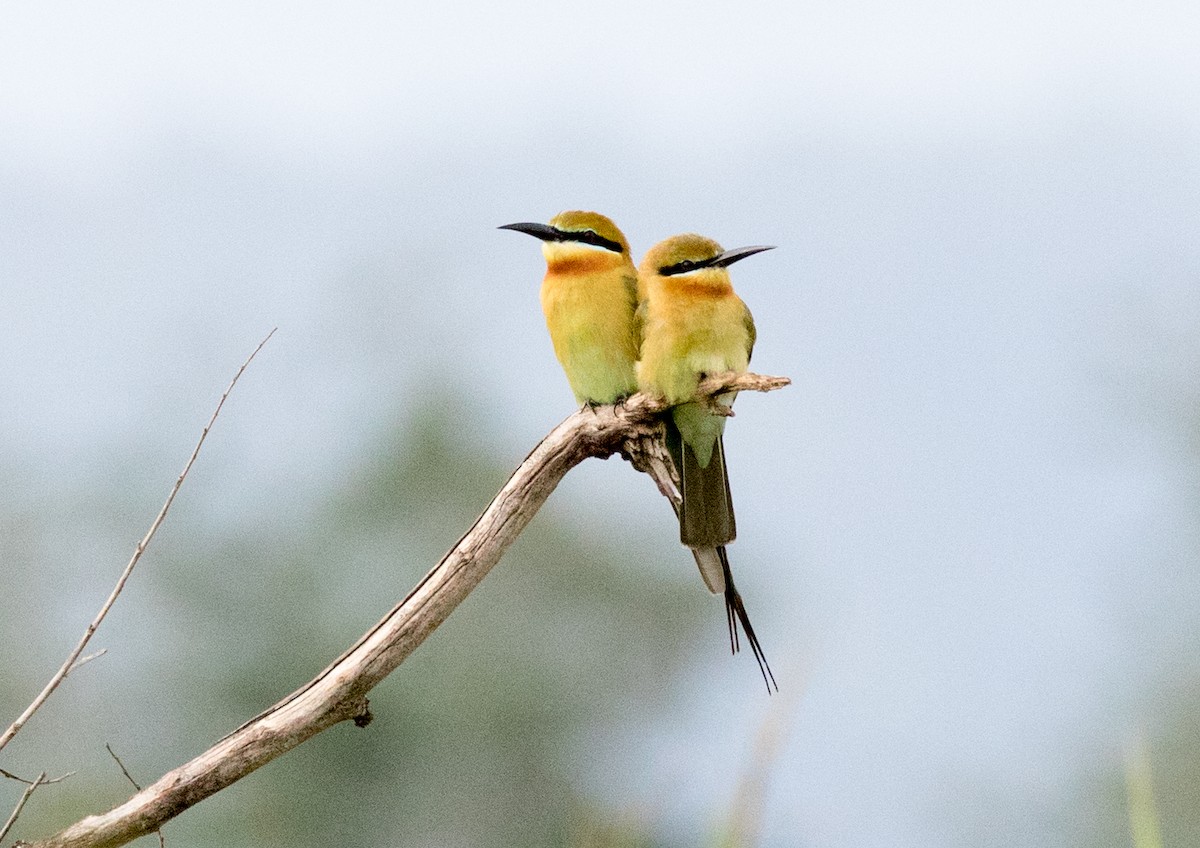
589,296
694,325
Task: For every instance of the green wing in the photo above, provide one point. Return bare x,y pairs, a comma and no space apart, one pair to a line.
639,314
751,333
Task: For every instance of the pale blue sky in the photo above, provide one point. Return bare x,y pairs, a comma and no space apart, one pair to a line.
969,528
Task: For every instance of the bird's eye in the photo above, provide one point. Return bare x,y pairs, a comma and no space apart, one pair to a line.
679,268
594,238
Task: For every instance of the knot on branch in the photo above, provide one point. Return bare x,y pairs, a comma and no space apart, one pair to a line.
364,716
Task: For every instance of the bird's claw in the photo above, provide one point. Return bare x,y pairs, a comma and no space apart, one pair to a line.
718,408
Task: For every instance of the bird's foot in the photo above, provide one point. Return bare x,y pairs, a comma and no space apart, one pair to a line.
717,408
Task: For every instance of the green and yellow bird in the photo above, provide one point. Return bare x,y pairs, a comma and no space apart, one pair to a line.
694,325
589,296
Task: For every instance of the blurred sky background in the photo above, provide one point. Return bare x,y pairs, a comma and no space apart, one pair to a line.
968,531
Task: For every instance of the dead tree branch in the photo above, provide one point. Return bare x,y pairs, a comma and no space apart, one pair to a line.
339,693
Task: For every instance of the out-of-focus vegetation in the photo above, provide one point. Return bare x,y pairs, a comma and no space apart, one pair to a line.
1146,792
484,737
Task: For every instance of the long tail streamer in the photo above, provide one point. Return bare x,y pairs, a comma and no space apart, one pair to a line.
735,611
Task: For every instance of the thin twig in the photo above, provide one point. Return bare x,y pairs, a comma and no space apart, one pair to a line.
161,839
12,819
82,661
45,782
70,662
121,765
339,693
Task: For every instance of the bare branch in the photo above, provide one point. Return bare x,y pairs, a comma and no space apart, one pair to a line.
716,384
73,660
29,790
339,693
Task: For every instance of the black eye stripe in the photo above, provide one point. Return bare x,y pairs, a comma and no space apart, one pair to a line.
678,268
590,237
684,266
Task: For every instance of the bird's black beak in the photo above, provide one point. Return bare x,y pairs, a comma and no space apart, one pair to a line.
539,231
738,254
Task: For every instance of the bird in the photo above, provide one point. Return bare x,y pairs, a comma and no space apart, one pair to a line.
693,325
589,297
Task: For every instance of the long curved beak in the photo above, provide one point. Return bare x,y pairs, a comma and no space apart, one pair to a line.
539,231
737,254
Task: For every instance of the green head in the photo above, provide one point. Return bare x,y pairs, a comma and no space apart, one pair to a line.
576,233
693,254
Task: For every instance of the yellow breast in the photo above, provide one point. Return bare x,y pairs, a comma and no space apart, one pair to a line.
690,330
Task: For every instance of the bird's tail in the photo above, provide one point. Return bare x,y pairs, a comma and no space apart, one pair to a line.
711,569
707,559
706,514
735,612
